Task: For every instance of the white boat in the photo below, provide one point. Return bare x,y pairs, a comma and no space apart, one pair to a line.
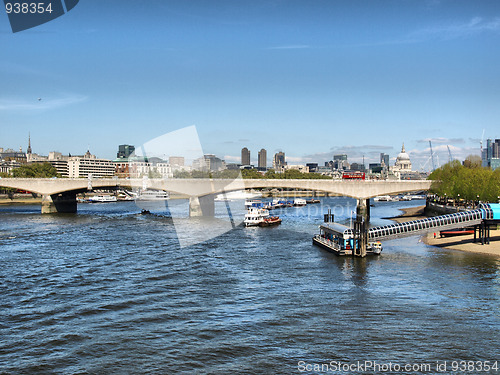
255,216
299,202
418,197
375,247
125,197
102,199
236,195
253,203
153,195
383,198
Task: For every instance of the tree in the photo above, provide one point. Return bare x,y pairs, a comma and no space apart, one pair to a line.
35,170
467,182
473,161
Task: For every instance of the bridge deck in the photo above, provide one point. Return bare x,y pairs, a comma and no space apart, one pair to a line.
431,224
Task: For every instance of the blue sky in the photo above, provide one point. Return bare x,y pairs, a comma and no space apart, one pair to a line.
309,77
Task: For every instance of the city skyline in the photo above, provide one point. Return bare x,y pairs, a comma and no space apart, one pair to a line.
357,157
313,79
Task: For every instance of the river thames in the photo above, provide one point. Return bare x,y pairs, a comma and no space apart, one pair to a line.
111,291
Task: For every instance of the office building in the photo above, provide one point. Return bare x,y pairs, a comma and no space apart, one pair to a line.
124,151
491,154
384,160
88,164
279,161
262,162
245,156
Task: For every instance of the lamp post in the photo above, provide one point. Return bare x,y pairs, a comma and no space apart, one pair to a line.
458,200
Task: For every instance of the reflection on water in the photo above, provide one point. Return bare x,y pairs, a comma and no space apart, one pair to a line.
109,290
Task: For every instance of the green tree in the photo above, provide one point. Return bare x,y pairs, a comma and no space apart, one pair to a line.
473,161
251,173
35,170
468,182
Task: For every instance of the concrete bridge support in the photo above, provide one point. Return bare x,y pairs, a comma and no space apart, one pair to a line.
202,206
59,203
363,210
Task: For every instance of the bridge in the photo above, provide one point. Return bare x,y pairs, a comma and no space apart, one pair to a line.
59,194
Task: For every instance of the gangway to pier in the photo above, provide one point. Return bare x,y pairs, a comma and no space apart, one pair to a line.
486,213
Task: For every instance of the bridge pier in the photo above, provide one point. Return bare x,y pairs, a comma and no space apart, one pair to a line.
59,203
363,209
360,238
202,206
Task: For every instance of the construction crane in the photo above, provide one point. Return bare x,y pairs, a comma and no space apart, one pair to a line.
432,156
450,158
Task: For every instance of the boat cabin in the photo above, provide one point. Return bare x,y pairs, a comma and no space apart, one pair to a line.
336,237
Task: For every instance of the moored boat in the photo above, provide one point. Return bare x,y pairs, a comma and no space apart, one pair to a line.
153,195
257,203
102,199
255,216
312,201
383,198
456,232
299,202
339,239
270,221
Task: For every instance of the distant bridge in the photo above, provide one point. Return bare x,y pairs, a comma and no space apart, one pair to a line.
59,194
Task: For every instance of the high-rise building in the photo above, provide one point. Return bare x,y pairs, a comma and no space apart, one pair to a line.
279,160
384,159
340,157
262,158
340,162
124,151
491,154
245,156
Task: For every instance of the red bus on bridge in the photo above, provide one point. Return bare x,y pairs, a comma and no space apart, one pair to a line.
353,175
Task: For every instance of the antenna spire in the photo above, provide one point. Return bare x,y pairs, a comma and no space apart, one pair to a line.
28,151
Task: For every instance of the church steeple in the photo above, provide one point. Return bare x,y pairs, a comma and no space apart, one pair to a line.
28,151
403,148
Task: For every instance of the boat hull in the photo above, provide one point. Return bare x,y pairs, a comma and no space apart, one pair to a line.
270,222
335,248
327,245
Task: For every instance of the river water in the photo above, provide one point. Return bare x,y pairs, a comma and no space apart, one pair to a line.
110,291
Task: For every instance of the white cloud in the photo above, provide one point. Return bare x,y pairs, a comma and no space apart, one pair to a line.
442,140
233,159
474,26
